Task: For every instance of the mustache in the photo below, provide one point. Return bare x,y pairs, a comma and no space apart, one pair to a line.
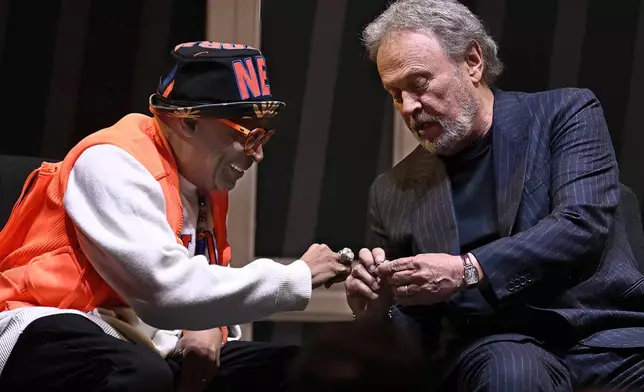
417,123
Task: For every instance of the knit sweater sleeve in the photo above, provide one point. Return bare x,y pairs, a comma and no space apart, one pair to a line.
118,210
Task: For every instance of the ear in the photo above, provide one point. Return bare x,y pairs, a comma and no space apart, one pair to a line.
474,63
186,127
189,123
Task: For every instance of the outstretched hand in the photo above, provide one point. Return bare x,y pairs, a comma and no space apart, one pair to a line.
325,265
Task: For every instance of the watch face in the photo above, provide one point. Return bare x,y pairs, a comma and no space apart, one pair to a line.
471,275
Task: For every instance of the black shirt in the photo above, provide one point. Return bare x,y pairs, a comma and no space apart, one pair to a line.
471,174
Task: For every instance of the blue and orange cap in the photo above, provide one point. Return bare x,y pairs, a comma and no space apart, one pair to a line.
214,79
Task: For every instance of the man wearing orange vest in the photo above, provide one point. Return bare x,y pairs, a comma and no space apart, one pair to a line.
114,263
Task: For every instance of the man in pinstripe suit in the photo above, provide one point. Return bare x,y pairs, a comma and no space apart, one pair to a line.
503,223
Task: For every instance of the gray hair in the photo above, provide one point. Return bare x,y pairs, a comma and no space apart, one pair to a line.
452,23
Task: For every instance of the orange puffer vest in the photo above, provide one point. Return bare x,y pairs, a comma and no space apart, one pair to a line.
41,263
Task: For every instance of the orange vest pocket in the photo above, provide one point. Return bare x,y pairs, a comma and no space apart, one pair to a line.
53,277
10,288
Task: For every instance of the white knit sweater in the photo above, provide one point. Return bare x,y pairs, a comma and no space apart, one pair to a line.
119,212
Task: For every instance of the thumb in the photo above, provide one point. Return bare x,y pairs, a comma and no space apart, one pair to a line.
357,305
337,279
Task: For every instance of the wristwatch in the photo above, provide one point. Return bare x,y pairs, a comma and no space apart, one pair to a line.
470,273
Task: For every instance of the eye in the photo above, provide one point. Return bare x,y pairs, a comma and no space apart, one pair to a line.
420,84
396,96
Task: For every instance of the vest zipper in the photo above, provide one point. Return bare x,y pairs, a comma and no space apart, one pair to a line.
180,227
180,221
30,183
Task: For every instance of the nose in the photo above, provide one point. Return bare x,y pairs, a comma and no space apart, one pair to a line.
410,104
257,153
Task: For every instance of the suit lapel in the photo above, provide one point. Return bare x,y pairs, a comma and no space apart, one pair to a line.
431,198
428,190
510,147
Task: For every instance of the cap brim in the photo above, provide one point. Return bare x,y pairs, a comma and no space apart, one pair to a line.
231,110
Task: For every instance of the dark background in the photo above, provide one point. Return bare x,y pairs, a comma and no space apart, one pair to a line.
71,67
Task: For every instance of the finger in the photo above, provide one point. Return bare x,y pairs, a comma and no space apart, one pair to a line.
342,275
208,374
335,255
337,279
204,375
358,305
357,287
341,270
378,255
389,268
313,246
190,370
197,372
405,291
359,272
367,261
401,278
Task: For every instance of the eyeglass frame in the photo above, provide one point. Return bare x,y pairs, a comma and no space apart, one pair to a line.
263,138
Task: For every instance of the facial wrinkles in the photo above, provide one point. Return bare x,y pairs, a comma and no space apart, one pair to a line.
436,102
231,152
207,154
454,130
394,66
447,94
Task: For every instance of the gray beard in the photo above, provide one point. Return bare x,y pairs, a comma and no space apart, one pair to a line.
454,132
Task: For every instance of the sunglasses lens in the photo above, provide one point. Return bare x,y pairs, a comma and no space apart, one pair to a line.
257,138
254,137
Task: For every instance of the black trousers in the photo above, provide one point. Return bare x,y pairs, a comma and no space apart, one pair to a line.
68,352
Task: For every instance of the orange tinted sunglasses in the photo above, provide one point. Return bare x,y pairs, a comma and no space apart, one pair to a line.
255,138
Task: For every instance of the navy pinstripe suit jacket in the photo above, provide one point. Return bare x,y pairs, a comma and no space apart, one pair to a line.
563,252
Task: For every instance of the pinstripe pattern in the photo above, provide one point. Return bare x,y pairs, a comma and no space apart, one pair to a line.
495,368
608,370
523,365
564,255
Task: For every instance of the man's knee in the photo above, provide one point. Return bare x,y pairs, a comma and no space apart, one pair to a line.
510,366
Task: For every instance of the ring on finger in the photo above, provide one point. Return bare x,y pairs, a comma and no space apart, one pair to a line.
346,256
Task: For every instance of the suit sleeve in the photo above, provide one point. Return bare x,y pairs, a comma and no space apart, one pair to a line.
584,194
408,318
377,234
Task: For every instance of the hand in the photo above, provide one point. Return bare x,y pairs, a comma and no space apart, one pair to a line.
423,279
201,351
325,265
367,294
